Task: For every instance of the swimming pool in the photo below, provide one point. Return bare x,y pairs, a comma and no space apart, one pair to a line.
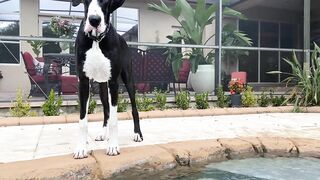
246,169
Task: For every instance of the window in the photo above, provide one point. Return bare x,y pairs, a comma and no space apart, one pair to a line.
272,35
127,23
9,26
60,8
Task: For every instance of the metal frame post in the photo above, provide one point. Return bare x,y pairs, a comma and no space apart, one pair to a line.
218,42
306,34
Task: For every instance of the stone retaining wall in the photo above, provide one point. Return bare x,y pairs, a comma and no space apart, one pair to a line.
159,157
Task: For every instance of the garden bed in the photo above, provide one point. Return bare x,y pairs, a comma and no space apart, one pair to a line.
73,118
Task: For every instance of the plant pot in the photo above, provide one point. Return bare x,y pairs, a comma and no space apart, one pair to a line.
236,100
203,79
184,71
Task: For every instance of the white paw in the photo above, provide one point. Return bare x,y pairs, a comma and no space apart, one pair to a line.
80,152
137,138
113,150
101,137
102,134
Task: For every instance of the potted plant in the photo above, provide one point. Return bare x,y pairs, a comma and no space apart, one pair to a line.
63,29
193,22
36,46
236,87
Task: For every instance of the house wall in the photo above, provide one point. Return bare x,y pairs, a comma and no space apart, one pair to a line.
14,75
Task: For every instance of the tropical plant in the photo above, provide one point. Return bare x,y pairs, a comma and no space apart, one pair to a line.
307,79
193,22
183,100
36,46
52,105
202,100
248,99
223,100
21,108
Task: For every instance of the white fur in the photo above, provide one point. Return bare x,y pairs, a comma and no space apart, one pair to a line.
95,9
82,149
102,134
113,145
96,65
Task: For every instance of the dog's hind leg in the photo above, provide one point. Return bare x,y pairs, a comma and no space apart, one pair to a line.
128,81
113,145
106,109
84,89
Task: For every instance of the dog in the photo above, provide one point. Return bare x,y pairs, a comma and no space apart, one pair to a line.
102,55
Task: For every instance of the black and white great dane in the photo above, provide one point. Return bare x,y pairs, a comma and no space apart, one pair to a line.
102,55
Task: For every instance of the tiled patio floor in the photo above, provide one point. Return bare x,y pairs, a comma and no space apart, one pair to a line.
31,142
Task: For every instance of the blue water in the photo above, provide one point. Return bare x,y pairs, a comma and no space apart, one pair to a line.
247,169
261,169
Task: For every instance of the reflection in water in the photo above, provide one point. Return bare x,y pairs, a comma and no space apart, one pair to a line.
247,169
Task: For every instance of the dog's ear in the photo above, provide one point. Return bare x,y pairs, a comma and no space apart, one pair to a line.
115,4
76,2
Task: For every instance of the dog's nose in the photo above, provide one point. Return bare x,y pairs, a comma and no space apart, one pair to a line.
94,20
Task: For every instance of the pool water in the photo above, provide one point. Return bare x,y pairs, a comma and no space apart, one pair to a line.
247,169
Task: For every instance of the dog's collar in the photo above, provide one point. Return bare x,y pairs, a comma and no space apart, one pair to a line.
101,36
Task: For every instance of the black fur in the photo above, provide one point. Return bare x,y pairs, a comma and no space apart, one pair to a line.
114,47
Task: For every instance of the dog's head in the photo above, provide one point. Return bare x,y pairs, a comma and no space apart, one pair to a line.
97,13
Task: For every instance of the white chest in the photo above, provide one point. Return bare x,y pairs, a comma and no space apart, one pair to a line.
96,65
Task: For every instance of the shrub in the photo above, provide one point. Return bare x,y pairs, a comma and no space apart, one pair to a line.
264,100
92,104
122,103
278,101
202,101
21,108
144,103
183,100
248,99
52,105
223,100
161,100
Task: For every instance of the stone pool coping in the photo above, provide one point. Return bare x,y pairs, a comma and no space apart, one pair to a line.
153,158
73,118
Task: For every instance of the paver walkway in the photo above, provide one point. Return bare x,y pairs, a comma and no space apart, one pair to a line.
31,142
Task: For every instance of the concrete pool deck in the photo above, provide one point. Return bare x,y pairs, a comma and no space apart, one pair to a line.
254,134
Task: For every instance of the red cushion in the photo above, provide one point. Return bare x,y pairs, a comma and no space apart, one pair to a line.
240,75
40,78
28,61
69,84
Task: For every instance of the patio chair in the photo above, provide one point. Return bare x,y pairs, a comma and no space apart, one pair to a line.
69,84
36,76
240,75
137,66
157,71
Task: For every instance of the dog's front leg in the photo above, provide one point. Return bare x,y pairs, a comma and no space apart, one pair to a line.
84,90
113,145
